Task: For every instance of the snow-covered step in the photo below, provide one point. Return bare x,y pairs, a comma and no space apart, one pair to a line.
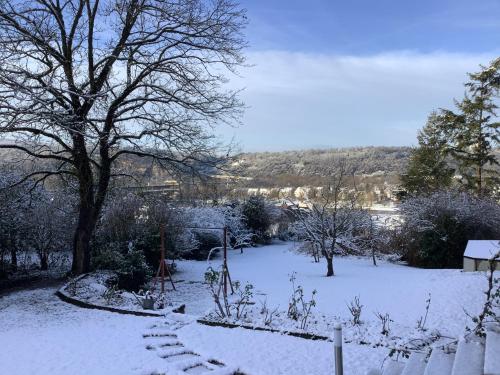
198,369
415,365
469,359
159,333
394,368
440,363
492,354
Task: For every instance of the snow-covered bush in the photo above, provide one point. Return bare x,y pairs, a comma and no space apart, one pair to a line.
50,224
204,225
133,272
33,221
355,308
435,228
14,204
299,308
259,216
239,235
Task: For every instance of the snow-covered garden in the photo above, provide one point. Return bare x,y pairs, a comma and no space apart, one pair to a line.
43,334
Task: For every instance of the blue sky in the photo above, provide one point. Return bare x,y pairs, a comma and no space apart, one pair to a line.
349,73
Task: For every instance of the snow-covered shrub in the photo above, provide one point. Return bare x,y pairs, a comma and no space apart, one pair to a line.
133,272
214,280
385,321
298,308
204,225
118,226
14,202
34,221
258,214
239,235
51,221
435,228
355,308
109,258
134,219
268,315
244,295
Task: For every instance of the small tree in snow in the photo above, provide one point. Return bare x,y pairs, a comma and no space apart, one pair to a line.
331,222
239,234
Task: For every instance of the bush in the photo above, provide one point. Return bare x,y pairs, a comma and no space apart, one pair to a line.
134,271
5,268
206,241
435,228
130,266
258,217
110,258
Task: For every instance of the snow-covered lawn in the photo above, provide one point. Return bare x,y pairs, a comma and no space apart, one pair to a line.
390,288
39,334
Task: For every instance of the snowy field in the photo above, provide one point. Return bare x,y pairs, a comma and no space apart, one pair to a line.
39,334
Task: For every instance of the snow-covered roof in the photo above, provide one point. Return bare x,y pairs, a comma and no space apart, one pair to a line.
482,249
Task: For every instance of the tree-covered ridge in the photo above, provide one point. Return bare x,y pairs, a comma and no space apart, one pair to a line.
365,160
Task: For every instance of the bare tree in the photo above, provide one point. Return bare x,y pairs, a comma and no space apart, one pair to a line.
86,82
330,222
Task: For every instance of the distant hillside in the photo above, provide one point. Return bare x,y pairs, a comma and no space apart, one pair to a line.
366,160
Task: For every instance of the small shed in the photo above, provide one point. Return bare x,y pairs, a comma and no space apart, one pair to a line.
478,254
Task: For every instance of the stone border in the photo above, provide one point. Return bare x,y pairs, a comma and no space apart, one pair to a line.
302,335
61,293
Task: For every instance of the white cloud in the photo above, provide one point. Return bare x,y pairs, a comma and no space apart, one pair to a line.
299,100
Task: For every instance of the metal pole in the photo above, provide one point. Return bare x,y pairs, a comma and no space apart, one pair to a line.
337,338
162,256
225,261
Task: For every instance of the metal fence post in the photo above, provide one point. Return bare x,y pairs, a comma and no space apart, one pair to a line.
337,341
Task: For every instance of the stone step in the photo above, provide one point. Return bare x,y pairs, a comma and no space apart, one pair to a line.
469,359
492,353
416,364
393,368
197,370
440,363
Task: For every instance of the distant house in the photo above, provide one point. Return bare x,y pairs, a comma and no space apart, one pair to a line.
478,253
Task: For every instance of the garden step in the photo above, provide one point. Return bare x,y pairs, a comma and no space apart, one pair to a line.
440,363
177,354
415,365
492,353
159,334
469,359
394,368
198,369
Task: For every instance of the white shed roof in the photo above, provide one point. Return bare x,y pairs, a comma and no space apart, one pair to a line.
482,249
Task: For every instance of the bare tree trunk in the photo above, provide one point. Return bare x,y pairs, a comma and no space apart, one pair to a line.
329,263
91,203
81,242
480,180
373,257
44,261
13,258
